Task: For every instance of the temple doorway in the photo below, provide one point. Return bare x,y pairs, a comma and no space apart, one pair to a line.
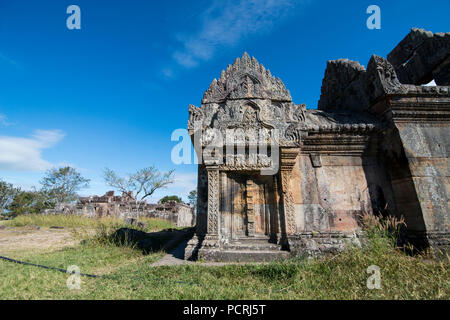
248,206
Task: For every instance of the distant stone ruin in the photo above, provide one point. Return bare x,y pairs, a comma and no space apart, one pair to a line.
378,143
110,205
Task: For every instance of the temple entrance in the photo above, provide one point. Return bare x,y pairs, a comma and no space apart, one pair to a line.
248,206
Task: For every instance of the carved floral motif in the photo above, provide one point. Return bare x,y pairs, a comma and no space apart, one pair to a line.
213,200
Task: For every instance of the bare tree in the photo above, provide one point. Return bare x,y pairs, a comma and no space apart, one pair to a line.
139,185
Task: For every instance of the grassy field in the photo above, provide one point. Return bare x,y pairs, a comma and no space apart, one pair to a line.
130,275
72,221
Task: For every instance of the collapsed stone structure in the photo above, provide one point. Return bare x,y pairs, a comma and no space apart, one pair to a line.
125,206
378,143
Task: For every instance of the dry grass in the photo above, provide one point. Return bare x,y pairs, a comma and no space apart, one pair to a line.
73,221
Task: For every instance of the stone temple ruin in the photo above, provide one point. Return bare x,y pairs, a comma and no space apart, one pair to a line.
110,205
378,143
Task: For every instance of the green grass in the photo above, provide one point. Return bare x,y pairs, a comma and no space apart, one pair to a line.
131,276
72,221
29,282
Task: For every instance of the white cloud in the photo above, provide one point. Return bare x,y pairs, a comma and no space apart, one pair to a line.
25,154
227,22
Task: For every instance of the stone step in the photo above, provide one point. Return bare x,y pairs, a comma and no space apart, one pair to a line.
250,255
254,238
252,246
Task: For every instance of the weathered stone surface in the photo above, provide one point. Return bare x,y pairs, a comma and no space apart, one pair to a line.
246,79
247,96
343,86
421,57
376,145
315,243
441,74
347,86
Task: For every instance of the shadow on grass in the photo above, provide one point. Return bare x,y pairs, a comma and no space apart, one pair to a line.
164,240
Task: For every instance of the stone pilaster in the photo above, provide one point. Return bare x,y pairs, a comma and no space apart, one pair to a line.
203,245
250,208
213,201
288,158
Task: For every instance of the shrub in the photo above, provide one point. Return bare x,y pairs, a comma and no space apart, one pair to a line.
379,229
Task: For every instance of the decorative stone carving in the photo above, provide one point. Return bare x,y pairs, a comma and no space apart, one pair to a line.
299,113
246,79
347,86
288,202
195,116
213,200
247,96
293,134
382,79
250,208
288,159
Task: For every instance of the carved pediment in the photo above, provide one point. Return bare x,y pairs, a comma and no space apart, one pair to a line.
247,97
246,79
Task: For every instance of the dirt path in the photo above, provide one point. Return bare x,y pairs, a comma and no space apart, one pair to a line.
26,239
175,257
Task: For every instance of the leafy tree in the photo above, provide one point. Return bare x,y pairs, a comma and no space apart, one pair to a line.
28,202
7,194
139,185
62,184
192,197
171,198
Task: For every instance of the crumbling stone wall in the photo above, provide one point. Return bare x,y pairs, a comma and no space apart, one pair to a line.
125,206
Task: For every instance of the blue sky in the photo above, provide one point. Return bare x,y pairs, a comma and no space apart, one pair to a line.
111,94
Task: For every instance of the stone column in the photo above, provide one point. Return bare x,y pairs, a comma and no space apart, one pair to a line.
288,158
